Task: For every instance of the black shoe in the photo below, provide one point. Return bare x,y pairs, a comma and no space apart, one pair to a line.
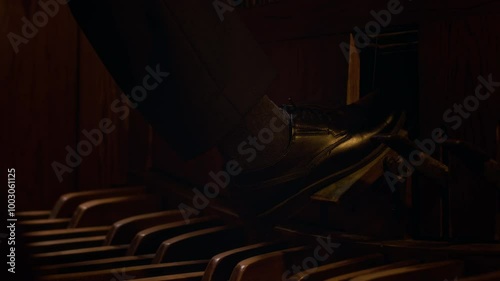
325,146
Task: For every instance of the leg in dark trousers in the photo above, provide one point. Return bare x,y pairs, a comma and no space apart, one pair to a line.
205,74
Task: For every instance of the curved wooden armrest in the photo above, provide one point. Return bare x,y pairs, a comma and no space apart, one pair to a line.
400,250
67,203
33,215
110,210
143,271
46,235
192,276
45,224
221,266
201,244
123,231
148,240
339,267
94,265
76,255
349,276
430,271
65,244
273,265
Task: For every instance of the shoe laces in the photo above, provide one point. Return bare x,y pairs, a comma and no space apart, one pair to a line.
307,112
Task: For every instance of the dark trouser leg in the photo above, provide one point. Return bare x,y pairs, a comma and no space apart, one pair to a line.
192,76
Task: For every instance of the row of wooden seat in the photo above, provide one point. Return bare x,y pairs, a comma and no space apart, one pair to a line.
67,203
129,234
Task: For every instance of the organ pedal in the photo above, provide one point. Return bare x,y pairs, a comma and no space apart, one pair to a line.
67,203
139,237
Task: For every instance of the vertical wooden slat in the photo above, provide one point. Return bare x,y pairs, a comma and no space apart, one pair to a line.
354,73
498,141
39,105
497,236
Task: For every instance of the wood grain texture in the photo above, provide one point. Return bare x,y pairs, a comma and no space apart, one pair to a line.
55,87
453,54
39,102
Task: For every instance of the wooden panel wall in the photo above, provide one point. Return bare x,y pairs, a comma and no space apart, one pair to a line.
454,52
53,89
39,102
